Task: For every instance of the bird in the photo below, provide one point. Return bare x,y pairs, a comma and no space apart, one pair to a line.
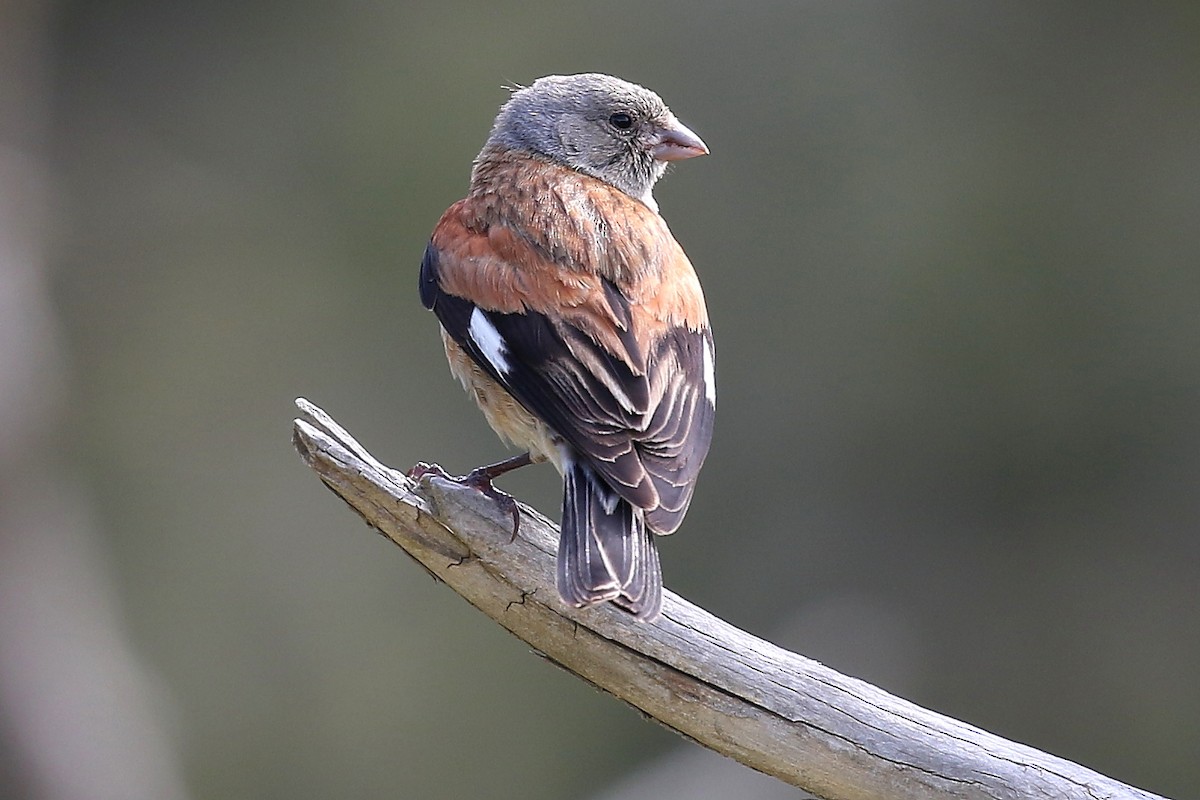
575,320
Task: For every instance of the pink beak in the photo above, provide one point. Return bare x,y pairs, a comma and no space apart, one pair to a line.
674,142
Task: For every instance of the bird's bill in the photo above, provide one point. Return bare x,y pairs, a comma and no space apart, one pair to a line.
675,142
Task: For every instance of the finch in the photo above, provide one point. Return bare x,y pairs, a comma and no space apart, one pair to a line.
572,316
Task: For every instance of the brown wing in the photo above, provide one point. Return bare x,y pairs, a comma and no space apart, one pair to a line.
578,300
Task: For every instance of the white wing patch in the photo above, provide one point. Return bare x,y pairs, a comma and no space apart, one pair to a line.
710,376
489,341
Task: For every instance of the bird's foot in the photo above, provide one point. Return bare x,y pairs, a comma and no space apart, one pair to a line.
421,469
480,479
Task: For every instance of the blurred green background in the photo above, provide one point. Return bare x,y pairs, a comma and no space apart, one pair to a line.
952,257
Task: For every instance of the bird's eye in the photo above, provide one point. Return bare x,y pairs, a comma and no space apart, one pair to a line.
621,121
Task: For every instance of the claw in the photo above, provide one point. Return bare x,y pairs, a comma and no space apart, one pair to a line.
480,481
421,469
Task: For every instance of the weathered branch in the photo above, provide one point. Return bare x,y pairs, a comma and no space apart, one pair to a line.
773,710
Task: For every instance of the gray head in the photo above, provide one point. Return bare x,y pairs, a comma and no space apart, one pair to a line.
603,126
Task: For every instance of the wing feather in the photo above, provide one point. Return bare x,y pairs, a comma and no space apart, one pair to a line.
613,360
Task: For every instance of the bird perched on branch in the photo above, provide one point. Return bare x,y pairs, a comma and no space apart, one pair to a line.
573,317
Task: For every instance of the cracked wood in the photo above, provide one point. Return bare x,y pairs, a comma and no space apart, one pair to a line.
773,710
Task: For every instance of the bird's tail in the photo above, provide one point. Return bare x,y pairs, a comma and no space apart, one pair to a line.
605,552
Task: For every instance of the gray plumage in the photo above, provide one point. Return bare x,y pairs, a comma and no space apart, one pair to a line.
571,119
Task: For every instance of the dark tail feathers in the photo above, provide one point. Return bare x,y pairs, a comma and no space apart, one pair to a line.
605,552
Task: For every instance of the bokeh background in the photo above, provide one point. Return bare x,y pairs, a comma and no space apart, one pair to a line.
952,256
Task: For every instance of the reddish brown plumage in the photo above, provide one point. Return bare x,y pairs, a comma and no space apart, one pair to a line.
533,235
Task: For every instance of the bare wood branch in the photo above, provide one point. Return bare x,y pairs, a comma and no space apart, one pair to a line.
773,710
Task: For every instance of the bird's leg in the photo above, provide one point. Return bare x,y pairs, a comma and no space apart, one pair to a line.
483,476
480,479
